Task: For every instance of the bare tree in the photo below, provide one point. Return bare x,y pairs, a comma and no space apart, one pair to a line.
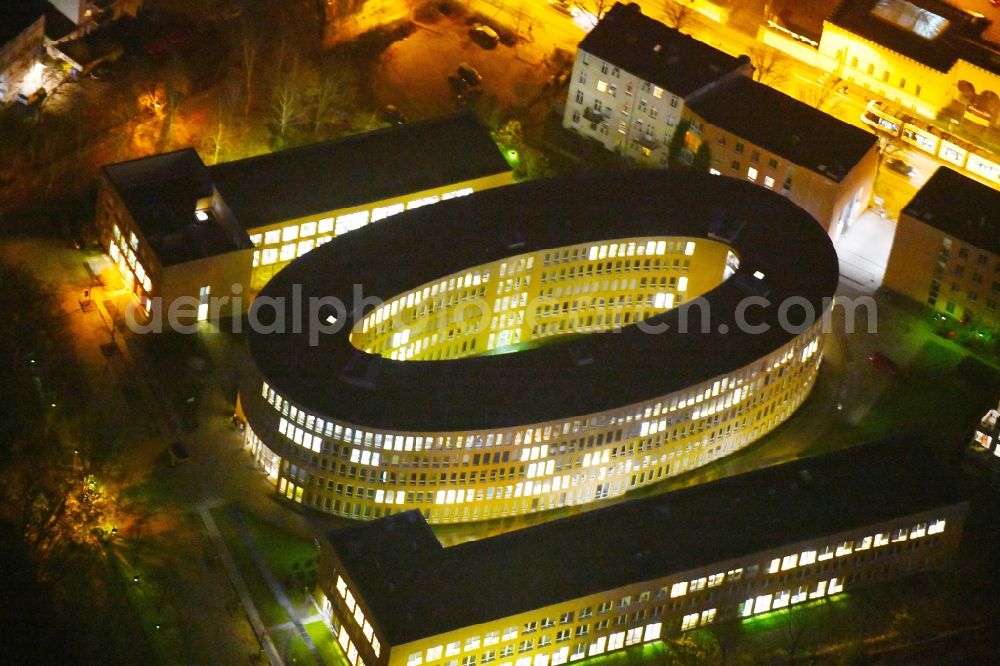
287,101
249,49
334,88
678,13
769,66
819,94
596,9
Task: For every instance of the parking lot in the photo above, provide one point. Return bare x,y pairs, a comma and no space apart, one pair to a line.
413,73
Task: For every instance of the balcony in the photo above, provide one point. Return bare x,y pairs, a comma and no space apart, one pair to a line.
648,142
593,115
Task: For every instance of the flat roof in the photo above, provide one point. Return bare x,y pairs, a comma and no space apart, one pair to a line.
358,169
334,379
16,16
642,46
960,207
961,38
161,192
415,588
785,126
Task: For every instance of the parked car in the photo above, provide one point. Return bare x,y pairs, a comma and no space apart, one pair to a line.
468,75
883,363
899,166
485,36
393,115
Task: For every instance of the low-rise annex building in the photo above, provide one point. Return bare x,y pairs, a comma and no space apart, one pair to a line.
946,249
665,297
820,163
640,571
178,228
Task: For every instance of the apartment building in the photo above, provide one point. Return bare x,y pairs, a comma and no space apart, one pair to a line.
946,251
631,78
753,131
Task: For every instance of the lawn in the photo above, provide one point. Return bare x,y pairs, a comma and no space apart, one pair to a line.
271,612
292,560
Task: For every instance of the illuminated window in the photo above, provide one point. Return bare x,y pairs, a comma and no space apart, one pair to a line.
287,252
307,229
708,616
290,233
453,648
272,237
464,192
472,643
775,565
936,527
836,585
789,562
768,181
305,246
423,201
808,557
846,548
762,603
325,225
678,589
383,212
602,86
689,622
752,173
350,222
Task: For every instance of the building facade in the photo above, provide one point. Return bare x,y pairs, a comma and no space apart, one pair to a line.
643,571
275,207
946,250
820,163
22,43
87,13
172,237
924,55
631,77
421,402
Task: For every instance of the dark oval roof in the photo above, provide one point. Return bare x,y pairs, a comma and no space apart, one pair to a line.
588,374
